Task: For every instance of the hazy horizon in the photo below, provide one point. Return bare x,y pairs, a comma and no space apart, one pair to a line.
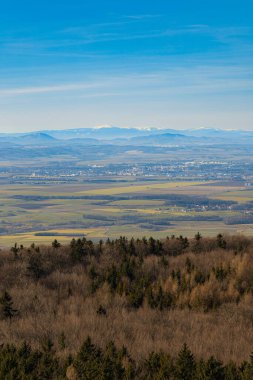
151,128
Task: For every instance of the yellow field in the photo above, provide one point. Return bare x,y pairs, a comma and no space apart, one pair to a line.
100,217
139,202
109,209
138,188
238,196
64,236
185,228
130,210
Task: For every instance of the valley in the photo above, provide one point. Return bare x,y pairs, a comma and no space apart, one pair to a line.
67,187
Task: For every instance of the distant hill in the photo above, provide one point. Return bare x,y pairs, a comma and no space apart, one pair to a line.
161,139
101,133
120,135
27,138
36,137
116,136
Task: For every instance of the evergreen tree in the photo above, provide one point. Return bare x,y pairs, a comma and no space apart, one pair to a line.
185,364
112,363
88,363
197,243
113,278
158,366
221,242
78,249
198,236
56,244
35,268
210,370
6,303
15,249
247,369
232,372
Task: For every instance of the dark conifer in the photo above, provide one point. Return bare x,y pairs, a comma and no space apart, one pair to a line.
7,311
185,364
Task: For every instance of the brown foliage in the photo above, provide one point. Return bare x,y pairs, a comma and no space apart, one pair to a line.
211,289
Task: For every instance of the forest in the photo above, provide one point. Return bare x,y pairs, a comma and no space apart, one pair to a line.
175,308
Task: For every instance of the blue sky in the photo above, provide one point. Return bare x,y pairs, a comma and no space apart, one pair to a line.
167,64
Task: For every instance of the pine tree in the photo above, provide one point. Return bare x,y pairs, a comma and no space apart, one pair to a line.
6,303
56,244
232,372
88,362
210,370
35,268
158,366
185,364
247,369
221,242
113,278
198,236
78,249
15,249
197,243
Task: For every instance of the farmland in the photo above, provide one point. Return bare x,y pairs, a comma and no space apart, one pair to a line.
128,186
126,206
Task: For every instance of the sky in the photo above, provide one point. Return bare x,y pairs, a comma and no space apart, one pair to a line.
136,63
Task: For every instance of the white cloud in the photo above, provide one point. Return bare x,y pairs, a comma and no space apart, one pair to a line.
174,80
47,89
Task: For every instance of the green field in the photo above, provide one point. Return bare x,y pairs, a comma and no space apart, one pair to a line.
133,208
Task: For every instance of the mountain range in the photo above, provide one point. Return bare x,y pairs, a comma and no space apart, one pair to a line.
128,136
